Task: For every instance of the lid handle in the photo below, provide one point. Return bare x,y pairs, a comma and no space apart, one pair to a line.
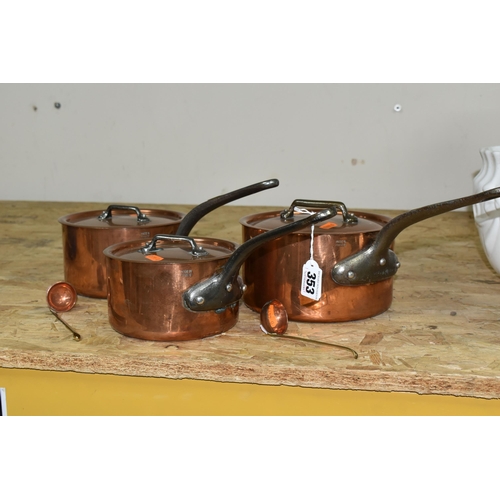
150,247
106,214
349,218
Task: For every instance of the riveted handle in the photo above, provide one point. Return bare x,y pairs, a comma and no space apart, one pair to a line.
378,262
225,288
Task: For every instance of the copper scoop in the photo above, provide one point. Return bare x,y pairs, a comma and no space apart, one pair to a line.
61,297
274,321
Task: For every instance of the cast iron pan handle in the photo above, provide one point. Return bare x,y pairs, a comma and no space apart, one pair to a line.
226,287
349,218
203,209
378,262
141,218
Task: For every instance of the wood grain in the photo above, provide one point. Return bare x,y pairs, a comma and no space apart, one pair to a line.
440,336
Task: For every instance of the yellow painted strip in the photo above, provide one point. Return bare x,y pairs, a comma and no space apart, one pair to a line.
33,392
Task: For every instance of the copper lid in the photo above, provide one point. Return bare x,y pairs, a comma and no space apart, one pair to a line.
122,218
367,222
170,251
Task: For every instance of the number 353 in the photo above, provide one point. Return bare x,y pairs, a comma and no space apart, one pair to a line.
310,282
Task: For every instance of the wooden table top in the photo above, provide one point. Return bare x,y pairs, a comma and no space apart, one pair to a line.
440,336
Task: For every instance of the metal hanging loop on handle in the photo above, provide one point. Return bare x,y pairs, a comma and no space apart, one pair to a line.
106,214
349,218
378,262
150,247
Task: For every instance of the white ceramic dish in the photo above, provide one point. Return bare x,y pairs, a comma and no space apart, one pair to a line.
487,214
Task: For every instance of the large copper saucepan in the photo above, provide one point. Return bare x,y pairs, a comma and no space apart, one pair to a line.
354,251
180,288
87,234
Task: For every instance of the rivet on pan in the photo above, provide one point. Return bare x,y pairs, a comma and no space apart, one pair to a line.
229,287
243,288
382,262
397,265
351,275
200,300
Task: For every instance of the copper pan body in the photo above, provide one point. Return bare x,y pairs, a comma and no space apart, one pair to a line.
86,235
84,262
355,254
274,271
145,298
175,287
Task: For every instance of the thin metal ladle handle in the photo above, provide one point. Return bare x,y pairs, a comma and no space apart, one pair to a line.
313,341
76,336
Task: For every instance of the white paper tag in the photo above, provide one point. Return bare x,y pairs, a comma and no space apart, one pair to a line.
311,280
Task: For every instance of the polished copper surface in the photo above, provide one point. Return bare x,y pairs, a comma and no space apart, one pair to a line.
145,296
156,297
85,238
367,223
358,263
61,296
274,271
273,317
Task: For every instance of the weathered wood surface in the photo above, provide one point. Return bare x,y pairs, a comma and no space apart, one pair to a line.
441,335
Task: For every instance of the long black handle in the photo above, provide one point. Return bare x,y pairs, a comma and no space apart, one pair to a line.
225,288
378,262
194,215
389,232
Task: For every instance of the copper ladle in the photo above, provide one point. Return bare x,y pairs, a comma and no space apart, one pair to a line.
61,297
274,322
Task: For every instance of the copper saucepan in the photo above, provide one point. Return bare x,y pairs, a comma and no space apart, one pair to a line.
180,288
354,251
87,234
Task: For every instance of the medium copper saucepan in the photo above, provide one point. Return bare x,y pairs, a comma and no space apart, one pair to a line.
87,234
180,288
354,251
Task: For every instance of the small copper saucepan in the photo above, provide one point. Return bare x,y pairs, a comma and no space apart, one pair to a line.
87,234
180,288
353,250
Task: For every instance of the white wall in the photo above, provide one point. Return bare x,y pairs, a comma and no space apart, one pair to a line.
185,143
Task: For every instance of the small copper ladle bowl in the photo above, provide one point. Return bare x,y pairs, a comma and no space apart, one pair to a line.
62,297
274,321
